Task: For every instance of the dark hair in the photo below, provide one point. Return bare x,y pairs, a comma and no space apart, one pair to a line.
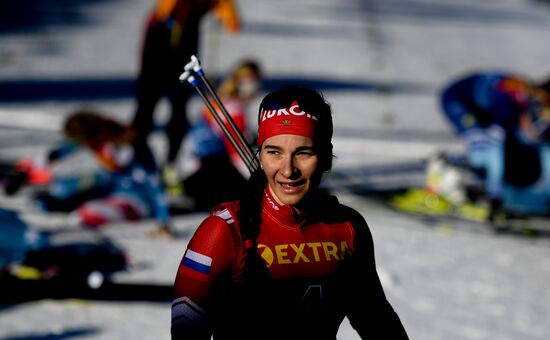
249,214
251,64
92,127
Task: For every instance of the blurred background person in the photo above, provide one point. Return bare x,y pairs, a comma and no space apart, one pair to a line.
504,119
221,172
127,186
170,38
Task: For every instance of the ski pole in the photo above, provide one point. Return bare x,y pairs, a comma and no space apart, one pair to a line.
195,66
193,81
243,149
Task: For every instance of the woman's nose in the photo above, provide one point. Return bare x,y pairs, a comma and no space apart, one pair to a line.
288,167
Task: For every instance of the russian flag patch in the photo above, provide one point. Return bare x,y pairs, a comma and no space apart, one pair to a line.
197,262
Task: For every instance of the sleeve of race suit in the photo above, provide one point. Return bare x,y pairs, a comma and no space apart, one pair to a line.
369,311
208,255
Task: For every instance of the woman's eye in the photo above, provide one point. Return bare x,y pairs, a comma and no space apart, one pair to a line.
305,153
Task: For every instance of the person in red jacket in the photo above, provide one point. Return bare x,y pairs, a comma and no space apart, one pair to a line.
287,260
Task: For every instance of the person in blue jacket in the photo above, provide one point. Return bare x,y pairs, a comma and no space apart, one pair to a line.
127,186
504,120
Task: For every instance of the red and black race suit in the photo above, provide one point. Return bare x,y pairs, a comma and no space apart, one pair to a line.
321,270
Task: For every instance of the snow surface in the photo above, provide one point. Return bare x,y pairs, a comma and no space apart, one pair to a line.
380,63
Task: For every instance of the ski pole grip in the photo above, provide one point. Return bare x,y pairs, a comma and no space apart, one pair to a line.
195,66
187,76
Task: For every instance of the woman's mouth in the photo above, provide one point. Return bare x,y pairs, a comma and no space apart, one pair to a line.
292,186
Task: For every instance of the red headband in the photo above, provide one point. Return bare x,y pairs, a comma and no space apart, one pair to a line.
285,121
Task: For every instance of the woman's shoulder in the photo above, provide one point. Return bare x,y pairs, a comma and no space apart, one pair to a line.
219,225
226,211
227,215
230,207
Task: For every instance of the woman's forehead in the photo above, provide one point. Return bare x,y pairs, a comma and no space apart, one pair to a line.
287,140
